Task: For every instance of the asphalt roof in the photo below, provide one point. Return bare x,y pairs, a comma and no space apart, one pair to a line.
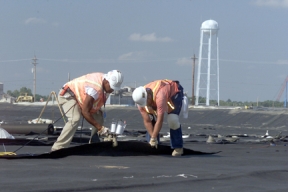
252,163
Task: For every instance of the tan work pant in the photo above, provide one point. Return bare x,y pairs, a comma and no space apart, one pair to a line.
73,113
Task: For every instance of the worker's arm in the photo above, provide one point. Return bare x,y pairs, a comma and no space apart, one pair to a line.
86,107
147,122
161,103
158,125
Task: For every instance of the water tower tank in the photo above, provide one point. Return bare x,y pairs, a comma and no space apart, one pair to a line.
209,25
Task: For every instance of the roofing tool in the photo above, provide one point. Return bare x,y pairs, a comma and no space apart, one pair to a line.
117,128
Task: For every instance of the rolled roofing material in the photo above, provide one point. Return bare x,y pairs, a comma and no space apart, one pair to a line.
124,148
28,128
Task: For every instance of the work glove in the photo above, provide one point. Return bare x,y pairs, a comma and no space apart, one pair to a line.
104,131
153,142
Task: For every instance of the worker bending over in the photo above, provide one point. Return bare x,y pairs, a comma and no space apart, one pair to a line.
86,95
154,99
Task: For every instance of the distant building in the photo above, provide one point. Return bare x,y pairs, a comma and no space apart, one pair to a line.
5,97
121,97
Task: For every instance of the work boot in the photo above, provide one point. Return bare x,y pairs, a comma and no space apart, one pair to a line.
177,152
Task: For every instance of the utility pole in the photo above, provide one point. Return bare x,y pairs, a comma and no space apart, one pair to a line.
34,71
285,101
132,91
193,73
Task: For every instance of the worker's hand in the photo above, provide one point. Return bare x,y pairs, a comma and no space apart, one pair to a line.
153,142
104,131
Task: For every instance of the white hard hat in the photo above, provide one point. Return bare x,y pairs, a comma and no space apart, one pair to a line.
115,79
139,96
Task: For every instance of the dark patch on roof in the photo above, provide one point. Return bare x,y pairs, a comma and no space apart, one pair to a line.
124,148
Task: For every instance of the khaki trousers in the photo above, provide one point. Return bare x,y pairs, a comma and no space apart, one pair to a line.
73,114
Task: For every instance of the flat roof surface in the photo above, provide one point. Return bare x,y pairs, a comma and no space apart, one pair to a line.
251,164
239,167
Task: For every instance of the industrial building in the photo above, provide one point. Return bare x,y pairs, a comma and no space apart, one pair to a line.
121,97
5,97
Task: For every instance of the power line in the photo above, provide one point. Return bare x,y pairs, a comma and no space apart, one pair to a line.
146,60
15,60
193,73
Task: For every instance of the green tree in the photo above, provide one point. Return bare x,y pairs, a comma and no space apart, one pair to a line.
23,90
11,93
202,100
38,97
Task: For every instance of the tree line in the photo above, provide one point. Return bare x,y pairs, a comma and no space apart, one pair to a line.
23,90
202,100
229,102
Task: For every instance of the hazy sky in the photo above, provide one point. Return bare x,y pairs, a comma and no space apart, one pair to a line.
146,40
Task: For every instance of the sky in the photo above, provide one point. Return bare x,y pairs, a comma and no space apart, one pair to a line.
146,40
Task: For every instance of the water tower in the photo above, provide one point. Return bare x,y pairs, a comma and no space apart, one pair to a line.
207,87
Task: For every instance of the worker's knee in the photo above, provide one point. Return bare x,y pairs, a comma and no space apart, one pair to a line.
173,121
